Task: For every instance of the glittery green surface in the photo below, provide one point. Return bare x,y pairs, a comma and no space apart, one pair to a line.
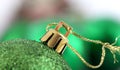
22,54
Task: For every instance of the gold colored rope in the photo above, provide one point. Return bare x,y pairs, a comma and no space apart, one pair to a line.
113,49
50,25
84,61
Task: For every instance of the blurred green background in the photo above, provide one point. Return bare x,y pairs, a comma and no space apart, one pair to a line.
99,29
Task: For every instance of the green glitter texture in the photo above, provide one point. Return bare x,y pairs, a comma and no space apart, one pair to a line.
22,54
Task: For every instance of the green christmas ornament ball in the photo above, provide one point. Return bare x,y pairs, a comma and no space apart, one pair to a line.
22,54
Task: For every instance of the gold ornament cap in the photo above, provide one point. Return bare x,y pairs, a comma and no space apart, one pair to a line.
54,39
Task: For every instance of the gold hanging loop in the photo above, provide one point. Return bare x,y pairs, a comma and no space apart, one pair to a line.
58,41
